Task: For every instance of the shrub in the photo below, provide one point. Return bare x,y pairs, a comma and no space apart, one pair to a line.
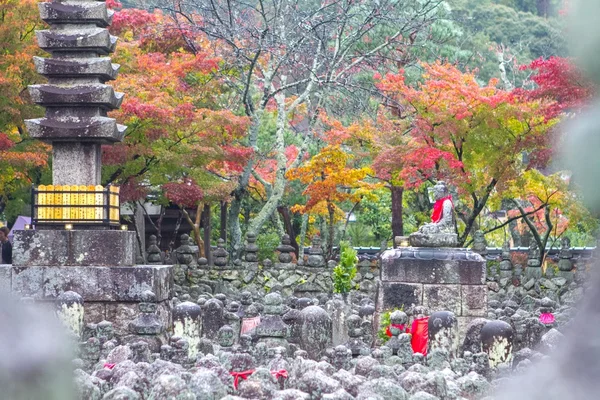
345,271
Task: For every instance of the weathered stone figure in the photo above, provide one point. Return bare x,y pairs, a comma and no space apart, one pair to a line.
440,231
479,243
497,341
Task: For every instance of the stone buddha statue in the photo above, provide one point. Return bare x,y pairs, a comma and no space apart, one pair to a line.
440,232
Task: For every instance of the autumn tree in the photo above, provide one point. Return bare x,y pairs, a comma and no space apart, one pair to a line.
330,181
22,160
287,54
544,206
561,82
473,136
181,142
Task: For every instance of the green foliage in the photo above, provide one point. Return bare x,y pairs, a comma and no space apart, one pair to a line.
360,234
492,267
384,323
267,242
345,271
376,214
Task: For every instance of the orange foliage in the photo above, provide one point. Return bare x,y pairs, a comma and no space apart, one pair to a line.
20,158
331,181
178,129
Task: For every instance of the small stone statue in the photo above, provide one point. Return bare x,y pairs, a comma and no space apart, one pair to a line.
220,254
285,249
154,256
272,330
342,358
440,231
355,333
399,343
185,254
226,338
315,254
251,248
147,322
565,255
534,269
479,243
505,264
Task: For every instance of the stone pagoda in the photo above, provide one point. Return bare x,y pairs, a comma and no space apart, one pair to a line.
77,244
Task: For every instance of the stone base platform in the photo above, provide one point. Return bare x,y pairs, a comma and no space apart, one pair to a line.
442,279
437,240
74,247
109,293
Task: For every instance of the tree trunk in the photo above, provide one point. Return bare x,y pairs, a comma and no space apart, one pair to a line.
158,225
289,228
397,221
223,232
175,232
206,223
235,230
331,235
278,224
136,225
280,181
196,227
347,222
543,8
159,221
302,244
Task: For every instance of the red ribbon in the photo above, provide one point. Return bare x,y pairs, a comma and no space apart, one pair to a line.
282,373
438,207
547,318
397,326
242,374
109,366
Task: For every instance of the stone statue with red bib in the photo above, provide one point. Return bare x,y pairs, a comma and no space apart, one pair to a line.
440,232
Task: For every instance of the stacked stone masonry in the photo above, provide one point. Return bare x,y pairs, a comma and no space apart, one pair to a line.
440,279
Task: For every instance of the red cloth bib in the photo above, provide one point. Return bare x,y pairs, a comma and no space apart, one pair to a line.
282,373
420,335
438,207
240,375
397,326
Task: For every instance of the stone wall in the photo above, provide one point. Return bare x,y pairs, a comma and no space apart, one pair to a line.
109,293
440,279
288,279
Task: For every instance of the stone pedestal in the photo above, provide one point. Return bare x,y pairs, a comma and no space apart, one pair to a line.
109,293
442,279
74,248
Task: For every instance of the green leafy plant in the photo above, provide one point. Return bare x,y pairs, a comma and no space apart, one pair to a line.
384,322
345,271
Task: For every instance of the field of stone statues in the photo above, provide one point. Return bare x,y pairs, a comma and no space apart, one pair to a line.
221,338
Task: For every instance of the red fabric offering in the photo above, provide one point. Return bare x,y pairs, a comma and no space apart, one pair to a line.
438,207
547,318
282,373
397,326
248,324
240,375
420,335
